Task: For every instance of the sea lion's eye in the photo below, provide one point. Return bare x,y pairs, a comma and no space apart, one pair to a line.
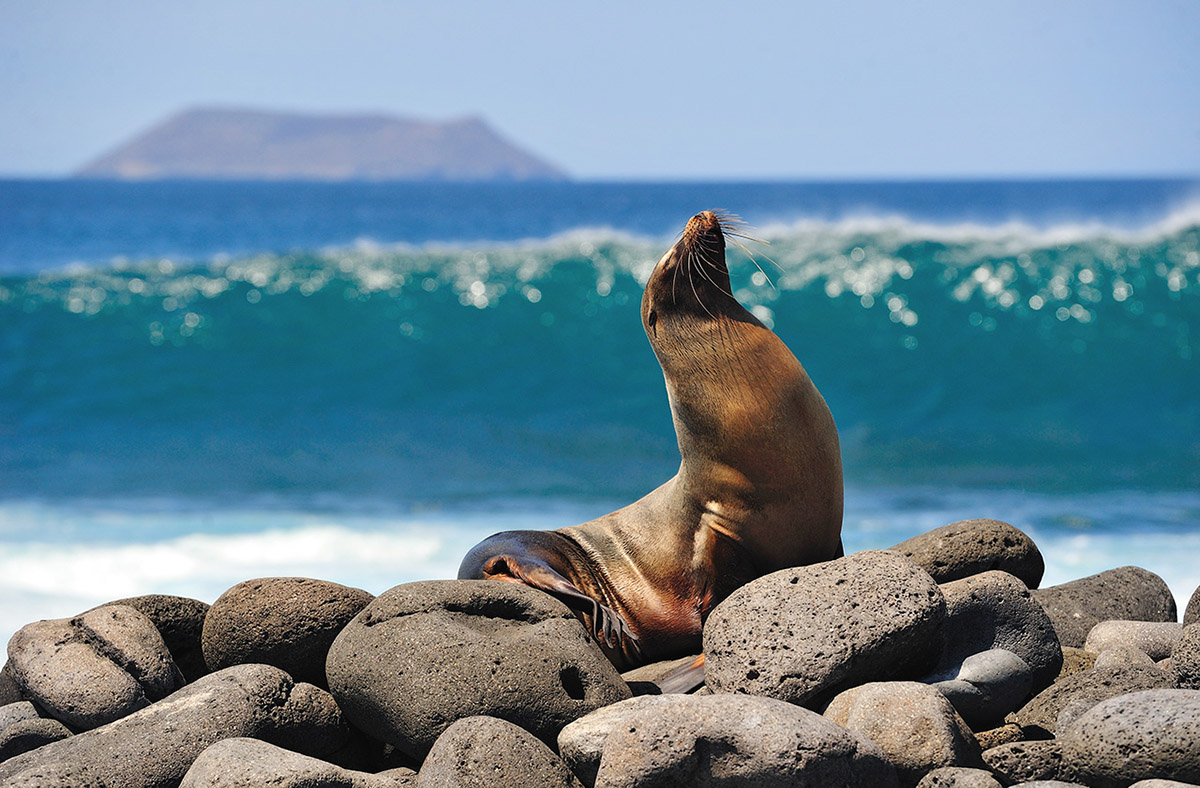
652,318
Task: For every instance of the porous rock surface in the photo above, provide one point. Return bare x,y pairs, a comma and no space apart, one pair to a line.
1003,734
9,691
22,730
423,655
581,744
1128,593
738,740
1090,687
180,621
1155,639
969,547
995,610
288,622
1075,660
94,668
486,752
1185,659
958,777
1025,761
915,726
253,763
154,747
1191,613
1122,656
1140,735
798,634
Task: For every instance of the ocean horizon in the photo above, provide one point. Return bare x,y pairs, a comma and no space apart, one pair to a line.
206,382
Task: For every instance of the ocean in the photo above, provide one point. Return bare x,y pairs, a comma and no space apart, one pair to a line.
202,383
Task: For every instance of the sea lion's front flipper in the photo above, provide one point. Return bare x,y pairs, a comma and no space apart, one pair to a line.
608,626
685,679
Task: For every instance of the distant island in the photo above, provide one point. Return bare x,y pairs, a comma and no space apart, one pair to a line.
210,143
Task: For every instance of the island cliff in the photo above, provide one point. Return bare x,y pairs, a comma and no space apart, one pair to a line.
258,145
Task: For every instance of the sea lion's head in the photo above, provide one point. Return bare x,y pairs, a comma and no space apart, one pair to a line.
689,286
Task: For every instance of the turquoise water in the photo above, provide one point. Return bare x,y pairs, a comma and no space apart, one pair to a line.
201,383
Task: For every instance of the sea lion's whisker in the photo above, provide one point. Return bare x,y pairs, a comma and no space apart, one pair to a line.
692,282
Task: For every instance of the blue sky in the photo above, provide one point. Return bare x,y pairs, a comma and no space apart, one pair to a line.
779,90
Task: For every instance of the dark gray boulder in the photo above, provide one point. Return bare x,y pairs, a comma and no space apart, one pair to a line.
958,777
424,655
1185,659
95,668
22,730
738,740
288,622
1024,761
995,610
253,763
10,692
581,744
154,747
1191,613
485,752
1141,735
1042,712
16,712
1128,593
915,726
180,621
969,547
802,634
1155,639
988,686
21,737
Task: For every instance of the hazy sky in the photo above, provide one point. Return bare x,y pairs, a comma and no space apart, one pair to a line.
643,89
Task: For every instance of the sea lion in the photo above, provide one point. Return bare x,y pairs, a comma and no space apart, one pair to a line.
759,487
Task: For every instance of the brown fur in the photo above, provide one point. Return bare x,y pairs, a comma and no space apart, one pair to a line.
759,487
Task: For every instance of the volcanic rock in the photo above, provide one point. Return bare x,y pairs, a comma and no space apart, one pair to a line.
485,752
801,633
1141,735
1041,713
154,747
253,763
424,655
95,668
738,740
1155,639
288,622
969,547
180,621
915,726
1128,593
1024,761
995,610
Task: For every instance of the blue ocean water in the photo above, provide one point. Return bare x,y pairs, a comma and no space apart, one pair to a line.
205,382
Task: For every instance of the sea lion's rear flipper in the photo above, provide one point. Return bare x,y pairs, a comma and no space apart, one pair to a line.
685,679
608,626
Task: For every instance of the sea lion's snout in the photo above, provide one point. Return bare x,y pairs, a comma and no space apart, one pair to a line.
704,232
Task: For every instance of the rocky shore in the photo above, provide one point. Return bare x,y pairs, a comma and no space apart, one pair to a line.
938,662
